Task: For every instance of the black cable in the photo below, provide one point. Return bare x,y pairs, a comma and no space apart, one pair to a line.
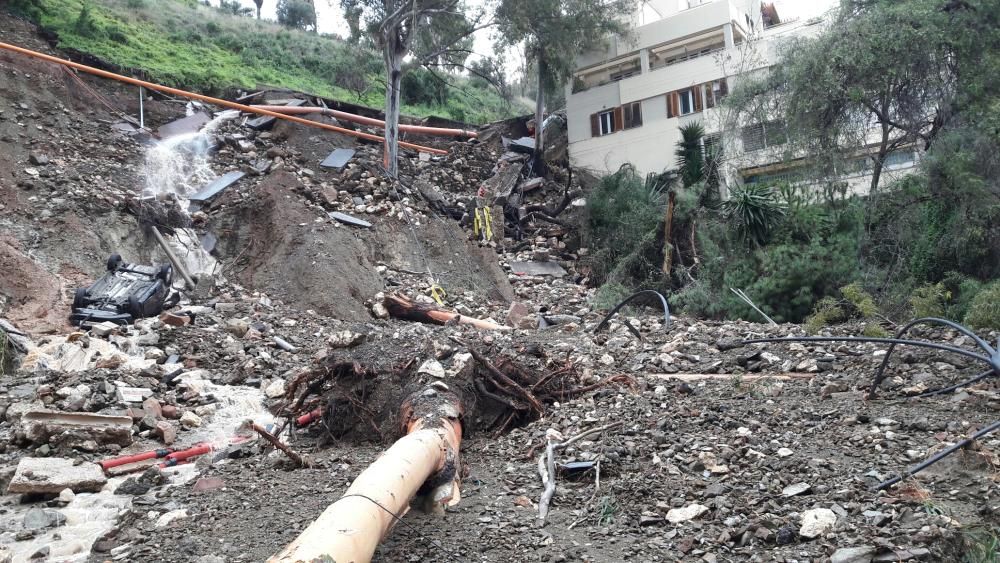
994,358
429,541
648,292
937,457
920,343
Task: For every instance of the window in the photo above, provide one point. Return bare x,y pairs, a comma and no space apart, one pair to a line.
763,135
684,102
607,122
632,114
715,91
687,101
753,137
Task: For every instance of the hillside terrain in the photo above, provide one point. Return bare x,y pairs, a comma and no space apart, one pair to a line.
703,447
187,44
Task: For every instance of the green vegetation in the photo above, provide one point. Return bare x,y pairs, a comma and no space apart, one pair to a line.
984,311
981,545
186,44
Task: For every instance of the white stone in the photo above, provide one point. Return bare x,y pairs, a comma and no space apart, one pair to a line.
275,389
432,368
795,489
67,496
165,520
689,512
853,555
784,452
190,420
816,522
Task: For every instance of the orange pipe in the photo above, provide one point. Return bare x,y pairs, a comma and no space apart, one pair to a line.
437,131
206,99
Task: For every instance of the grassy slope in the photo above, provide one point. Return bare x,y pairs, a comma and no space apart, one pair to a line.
186,44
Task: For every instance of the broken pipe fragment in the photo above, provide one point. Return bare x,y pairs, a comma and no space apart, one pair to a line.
424,460
402,307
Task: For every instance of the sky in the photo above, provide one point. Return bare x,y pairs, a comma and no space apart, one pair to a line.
331,19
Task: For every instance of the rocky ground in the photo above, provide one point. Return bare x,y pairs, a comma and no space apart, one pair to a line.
715,452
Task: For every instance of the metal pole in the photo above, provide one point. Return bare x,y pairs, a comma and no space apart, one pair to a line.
173,258
142,112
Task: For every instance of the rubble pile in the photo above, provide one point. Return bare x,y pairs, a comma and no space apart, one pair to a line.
219,428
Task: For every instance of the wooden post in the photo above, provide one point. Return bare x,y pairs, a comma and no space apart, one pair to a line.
668,247
351,528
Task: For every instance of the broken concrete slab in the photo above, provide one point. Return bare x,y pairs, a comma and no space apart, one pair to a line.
52,475
348,220
338,159
217,185
189,124
532,184
133,394
537,269
74,428
524,145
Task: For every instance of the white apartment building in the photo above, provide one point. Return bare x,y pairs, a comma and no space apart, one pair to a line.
626,104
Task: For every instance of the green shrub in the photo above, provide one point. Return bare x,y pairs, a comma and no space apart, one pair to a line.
624,215
930,300
755,211
85,24
984,311
861,300
827,312
875,330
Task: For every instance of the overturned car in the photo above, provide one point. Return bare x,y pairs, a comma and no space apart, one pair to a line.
126,292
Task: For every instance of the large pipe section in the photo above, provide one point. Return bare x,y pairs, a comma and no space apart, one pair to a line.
426,458
343,115
207,99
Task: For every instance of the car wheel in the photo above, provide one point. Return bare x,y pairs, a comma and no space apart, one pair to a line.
80,298
165,274
135,308
114,261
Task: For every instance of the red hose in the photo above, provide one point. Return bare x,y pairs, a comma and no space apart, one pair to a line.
178,457
125,460
309,417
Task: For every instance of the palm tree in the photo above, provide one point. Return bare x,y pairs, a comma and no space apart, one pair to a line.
690,158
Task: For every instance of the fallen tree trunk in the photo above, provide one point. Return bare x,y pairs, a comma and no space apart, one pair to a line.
402,307
424,461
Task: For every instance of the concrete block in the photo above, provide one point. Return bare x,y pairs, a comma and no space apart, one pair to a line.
52,475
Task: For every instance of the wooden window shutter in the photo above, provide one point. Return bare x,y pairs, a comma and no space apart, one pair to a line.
696,94
637,114
595,126
723,87
619,119
673,105
709,95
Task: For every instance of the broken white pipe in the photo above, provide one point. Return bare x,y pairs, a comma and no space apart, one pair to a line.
435,131
142,112
173,258
351,528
